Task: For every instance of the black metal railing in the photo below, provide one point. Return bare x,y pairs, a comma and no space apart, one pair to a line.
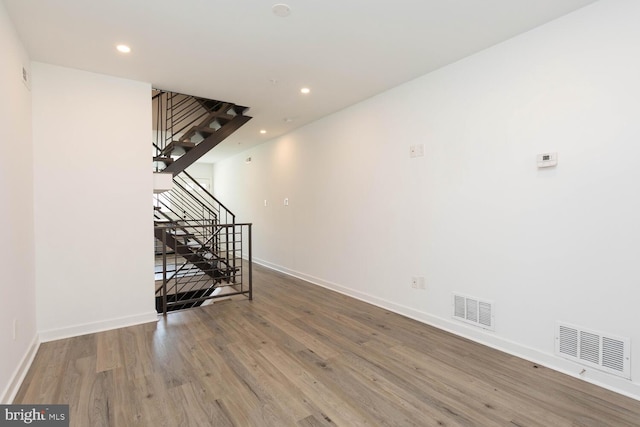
199,246
186,127
175,114
189,201
193,268
209,205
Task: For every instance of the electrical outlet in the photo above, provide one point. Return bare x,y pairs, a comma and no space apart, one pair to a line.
417,282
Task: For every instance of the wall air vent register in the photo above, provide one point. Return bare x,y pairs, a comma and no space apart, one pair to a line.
603,352
474,311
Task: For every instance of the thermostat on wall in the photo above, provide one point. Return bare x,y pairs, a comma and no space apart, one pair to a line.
547,160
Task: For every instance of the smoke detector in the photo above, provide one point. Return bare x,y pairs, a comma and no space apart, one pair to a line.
282,10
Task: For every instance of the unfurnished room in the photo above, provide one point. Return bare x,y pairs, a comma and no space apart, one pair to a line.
244,213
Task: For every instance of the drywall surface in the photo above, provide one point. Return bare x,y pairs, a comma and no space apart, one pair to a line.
17,285
203,173
93,197
474,215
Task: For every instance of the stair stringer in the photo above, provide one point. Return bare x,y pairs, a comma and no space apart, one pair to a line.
194,154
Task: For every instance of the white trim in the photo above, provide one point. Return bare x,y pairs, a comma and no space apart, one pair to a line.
548,360
21,371
90,328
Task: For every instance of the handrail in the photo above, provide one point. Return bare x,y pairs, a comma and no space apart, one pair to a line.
174,202
187,202
204,190
169,226
208,204
195,229
178,114
204,271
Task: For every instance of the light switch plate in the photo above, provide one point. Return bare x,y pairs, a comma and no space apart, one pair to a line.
416,151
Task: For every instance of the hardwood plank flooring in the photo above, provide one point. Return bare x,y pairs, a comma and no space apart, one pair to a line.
300,355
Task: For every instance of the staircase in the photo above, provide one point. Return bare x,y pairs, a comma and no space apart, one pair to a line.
199,245
188,127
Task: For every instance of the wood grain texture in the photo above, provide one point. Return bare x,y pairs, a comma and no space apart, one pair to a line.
300,355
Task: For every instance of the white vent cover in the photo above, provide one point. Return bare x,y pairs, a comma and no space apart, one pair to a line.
474,311
605,353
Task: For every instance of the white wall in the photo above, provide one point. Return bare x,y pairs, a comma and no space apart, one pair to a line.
475,215
93,197
202,171
17,286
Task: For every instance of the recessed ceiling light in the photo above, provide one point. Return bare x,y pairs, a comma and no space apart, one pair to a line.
282,10
262,131
305,90
123,48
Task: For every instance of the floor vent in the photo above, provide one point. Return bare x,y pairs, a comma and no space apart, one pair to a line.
474,311
605,353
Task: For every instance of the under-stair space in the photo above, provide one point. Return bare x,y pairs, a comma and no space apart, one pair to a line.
202,254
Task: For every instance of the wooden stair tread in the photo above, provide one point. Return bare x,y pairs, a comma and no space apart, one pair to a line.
206,144
204,127
206,130
180,143
186,145
163,159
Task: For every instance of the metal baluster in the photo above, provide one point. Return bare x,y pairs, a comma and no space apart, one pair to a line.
164,273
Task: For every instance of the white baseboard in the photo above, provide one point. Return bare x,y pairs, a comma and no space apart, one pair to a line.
16,380
618,385
90,328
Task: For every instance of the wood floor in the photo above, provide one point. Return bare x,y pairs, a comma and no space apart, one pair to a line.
299,355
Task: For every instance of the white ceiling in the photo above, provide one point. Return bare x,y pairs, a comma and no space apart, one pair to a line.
231,50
